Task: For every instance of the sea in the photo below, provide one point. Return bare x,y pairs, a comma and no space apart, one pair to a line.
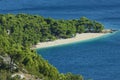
95,59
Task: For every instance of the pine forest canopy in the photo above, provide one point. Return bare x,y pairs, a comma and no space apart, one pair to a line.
19,32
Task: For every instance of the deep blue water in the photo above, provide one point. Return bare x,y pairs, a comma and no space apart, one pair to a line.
98,59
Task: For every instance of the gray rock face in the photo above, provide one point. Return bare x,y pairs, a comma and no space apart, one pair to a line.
6,59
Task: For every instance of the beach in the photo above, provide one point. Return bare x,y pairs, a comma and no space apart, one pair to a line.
77,38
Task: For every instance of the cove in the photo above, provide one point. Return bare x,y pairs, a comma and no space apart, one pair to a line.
97,59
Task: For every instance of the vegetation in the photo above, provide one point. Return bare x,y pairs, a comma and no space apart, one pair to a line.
19,32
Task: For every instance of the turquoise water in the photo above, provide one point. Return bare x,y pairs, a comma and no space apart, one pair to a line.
99,58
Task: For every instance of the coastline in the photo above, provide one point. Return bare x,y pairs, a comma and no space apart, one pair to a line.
77,38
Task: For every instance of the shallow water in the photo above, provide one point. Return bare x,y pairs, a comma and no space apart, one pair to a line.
98,59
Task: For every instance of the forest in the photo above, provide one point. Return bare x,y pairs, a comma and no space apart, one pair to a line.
18,33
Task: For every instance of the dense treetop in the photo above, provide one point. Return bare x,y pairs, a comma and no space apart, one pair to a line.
33,28
19,32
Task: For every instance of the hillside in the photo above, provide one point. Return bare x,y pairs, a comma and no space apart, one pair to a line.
20,32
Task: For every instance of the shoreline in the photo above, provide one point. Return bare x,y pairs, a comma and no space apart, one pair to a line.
77,38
